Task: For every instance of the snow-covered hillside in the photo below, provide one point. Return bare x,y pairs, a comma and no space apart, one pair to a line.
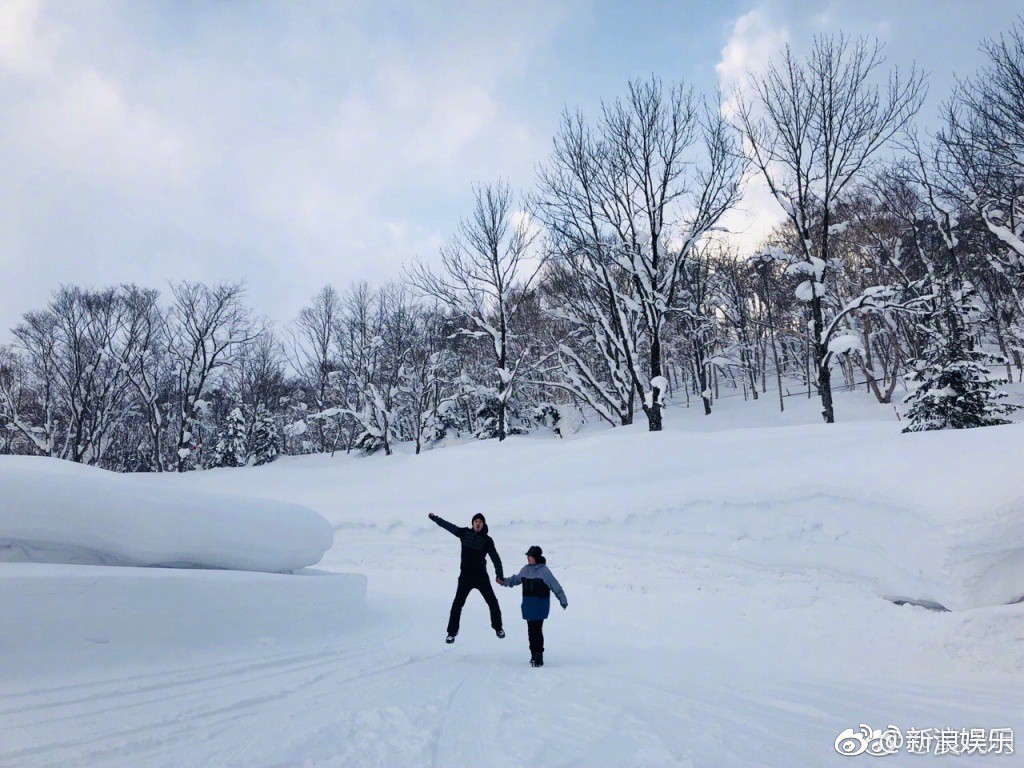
732,582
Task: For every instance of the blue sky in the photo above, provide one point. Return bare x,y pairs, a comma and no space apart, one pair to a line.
298,143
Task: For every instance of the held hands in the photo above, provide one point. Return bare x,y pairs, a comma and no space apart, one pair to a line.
500,581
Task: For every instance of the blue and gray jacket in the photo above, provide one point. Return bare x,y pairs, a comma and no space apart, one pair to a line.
538,584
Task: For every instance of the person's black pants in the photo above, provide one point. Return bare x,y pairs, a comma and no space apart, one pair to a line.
535,629
467,583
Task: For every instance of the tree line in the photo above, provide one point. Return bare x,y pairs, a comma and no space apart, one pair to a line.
606,289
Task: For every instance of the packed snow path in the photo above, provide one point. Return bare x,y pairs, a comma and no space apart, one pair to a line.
642,670
388,701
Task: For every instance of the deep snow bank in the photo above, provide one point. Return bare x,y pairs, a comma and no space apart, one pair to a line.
935,516
58,512
64,621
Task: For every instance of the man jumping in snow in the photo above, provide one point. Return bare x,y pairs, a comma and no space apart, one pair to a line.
476,544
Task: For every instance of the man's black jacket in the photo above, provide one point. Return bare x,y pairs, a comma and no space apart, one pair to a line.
475,547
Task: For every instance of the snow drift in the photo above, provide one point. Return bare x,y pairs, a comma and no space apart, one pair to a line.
933,517
57,512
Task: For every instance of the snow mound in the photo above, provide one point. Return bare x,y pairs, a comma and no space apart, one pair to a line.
58,512
75,620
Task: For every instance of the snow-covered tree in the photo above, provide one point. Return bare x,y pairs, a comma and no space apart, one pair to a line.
19,405
429,384
313,353
594,339
626,201
266,438
954,388
812,128
208,326
232,448
72,353
488,270
146,362
983,142
377,332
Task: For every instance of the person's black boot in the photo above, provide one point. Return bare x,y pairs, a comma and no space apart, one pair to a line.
450,639
539,660
533,659
500,633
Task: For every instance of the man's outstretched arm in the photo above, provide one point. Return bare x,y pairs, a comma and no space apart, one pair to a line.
452,529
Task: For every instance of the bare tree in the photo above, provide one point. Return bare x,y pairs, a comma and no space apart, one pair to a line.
427,380
146,364
699,302
208,325
983,139
812,128
634,196
259,373
764,263
487,271
22,405
312,340
73,350
593,339
979,164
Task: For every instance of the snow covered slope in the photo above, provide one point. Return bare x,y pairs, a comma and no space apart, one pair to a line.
936,517
58,512
731,603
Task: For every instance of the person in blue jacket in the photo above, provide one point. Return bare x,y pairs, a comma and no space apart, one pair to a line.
538,584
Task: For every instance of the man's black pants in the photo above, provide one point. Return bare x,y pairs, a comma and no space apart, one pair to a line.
535,629
467,583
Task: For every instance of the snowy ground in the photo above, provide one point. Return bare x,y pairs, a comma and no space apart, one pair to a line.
730,583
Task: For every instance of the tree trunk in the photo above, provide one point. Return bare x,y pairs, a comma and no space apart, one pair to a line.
821,361
654,418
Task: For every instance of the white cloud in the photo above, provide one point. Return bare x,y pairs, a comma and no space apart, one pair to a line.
290,147
23,50
83,123
305,142
755,40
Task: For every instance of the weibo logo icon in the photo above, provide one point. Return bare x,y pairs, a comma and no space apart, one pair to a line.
874,742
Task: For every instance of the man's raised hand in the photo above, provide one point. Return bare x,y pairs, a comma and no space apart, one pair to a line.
430,515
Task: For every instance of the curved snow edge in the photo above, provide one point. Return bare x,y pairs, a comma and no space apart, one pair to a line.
53,513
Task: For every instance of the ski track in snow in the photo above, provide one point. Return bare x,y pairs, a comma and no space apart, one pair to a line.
385,700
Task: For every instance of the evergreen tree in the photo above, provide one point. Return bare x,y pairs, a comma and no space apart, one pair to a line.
266,438
955,389
232,448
